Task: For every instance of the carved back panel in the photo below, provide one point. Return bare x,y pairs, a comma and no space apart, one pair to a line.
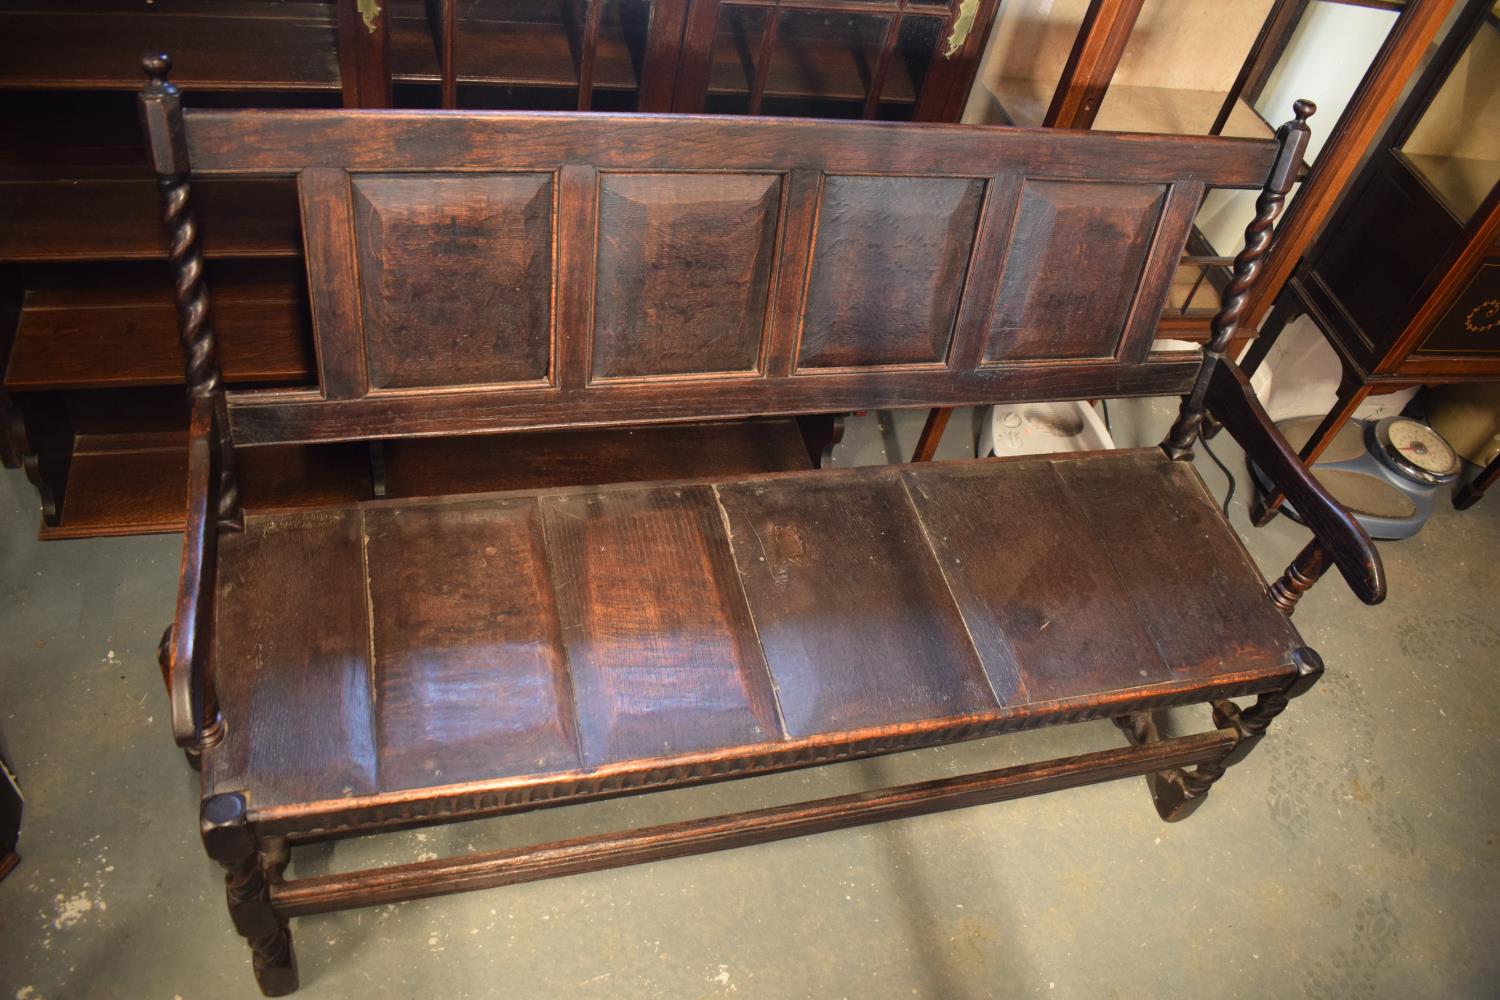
476,272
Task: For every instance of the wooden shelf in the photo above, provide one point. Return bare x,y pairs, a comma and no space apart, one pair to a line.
121,219
143,490
507,53
97,44
828,71
71,135
104,326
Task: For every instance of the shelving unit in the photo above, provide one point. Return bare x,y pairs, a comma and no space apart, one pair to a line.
1170,67
1404,282
90,366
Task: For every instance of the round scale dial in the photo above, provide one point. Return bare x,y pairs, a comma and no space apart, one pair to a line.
1416,450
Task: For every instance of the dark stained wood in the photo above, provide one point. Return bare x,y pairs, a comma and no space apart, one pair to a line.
1045,308
577,254
364,47
249,869
1305,570
307,634
440,466
188,646
399,661
684,273
644,581
469,674
120,220
660,645
871,229
1036,609
1189,597
654,284
421,242
932,434
320,894
72,346
1233,402
287,141
295,45
333,281
1091,64
274,417
848,553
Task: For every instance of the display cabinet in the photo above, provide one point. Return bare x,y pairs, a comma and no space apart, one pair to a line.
1203,66
1405,282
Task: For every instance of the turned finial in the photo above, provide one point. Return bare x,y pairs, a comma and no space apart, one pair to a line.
157,66
1303,109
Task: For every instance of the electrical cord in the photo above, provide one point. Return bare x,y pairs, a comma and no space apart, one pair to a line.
1227,475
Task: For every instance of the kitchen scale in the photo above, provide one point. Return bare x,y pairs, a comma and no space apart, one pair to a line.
1386,473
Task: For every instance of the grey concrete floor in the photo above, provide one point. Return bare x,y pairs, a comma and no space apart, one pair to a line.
1352,855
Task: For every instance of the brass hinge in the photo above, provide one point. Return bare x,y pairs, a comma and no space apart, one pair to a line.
962,25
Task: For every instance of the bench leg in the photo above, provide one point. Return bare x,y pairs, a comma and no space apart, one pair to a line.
230,842
1178,792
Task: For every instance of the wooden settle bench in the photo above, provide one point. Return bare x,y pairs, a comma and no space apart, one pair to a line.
364,666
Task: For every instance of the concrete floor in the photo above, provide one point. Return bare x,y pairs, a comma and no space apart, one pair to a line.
1352,855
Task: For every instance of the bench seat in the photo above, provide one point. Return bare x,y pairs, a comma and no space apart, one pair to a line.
518,647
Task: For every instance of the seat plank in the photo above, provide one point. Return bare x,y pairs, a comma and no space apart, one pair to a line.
855,620
291,661
663,633
1039,595
659,642
469,671
1192,582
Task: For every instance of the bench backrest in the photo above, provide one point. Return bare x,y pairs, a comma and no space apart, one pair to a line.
474,272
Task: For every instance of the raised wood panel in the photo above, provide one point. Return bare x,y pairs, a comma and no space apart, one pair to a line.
1077,252
659,642
456,277
1037,608
888,270
292,657
470,679
857,624
684,273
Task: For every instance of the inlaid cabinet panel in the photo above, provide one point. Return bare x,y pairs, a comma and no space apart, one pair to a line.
889,262
455,277
1069,294
684,272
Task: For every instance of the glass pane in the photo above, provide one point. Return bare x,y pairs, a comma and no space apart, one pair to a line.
1179,63
1455,145
916,42
1023,61
621,54
736,47
1329,52
823,62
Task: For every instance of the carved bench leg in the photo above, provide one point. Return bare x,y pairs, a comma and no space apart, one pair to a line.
1177,792
230,842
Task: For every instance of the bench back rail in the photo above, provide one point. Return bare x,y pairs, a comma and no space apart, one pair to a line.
500,271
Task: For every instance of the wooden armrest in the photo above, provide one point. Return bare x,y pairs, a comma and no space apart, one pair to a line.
1231,399
189,644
